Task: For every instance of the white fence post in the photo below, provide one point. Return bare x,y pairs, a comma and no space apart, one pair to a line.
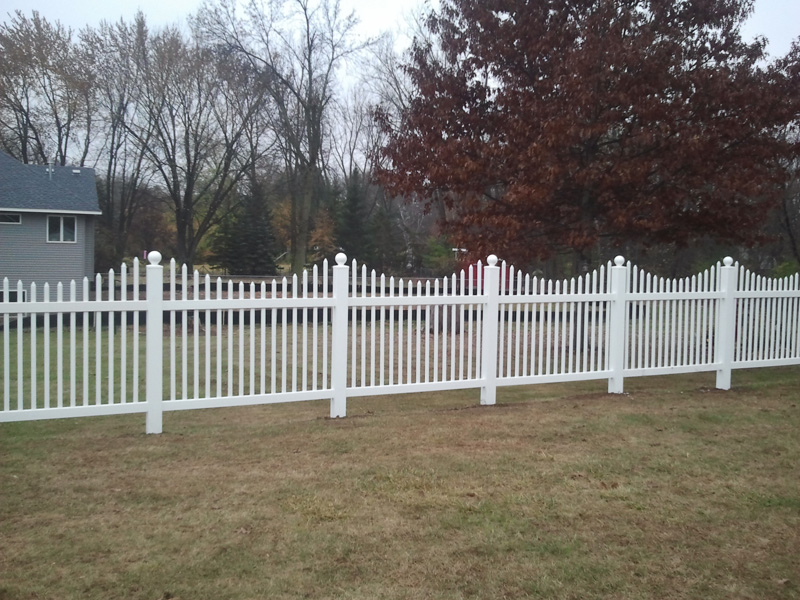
154,335
726,334
491,316
339,338
616,323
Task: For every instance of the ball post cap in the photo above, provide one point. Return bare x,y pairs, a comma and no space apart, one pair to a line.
341,258
727,261
154,257
619,260
492,260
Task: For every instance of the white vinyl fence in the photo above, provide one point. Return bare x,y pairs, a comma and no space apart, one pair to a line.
195,342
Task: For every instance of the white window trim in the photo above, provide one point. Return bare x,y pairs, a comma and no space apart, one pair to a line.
18,215
61,220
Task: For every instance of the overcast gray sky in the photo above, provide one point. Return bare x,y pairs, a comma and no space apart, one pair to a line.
375,16
778,20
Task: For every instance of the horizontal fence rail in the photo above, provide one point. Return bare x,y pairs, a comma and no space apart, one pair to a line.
119,344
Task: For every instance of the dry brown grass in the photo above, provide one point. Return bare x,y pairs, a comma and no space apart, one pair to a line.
673,490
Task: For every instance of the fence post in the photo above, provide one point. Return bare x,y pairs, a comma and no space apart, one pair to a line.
491,316
726,334
154,341
339,338
617,325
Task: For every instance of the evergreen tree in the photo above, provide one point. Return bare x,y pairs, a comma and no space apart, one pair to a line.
353,227
387,248
245,243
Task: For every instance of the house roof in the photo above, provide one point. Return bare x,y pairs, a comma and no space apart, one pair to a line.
33,188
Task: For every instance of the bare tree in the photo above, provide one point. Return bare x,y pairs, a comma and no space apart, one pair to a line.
119,53
390,87
199,106
357,137
46,92
391,91
298,46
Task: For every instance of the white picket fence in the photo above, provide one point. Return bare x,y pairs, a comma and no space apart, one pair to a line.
347,332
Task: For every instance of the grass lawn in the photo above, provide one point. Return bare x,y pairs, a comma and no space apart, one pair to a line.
673,490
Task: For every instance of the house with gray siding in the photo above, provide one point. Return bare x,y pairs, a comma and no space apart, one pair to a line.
47,218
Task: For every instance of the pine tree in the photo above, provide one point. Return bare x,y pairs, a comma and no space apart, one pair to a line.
245,242
353,227
387,247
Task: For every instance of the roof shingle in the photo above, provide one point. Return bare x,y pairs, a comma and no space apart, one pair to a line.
33,188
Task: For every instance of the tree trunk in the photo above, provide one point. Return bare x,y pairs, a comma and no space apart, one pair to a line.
306,199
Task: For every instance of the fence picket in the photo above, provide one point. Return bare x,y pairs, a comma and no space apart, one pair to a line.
325,327
262,362
85,328
196,333
284,336
462,328
33,367
781,331
436,317
391,333
753,317
314,331
252,352
230,330
7,350
410,331
294,365
172,344
59,351
207,336
382,336
73,372
795,325
518,342
273,341
400,355
419,331
454,330
304,327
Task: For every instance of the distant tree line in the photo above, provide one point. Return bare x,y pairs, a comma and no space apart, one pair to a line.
553,134
233,141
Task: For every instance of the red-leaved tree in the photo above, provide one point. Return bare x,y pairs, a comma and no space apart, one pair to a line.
553,124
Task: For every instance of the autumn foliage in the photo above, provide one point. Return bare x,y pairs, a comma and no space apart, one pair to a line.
555,123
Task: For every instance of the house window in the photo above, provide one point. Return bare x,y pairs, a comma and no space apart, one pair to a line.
10,218
61,229
13,296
